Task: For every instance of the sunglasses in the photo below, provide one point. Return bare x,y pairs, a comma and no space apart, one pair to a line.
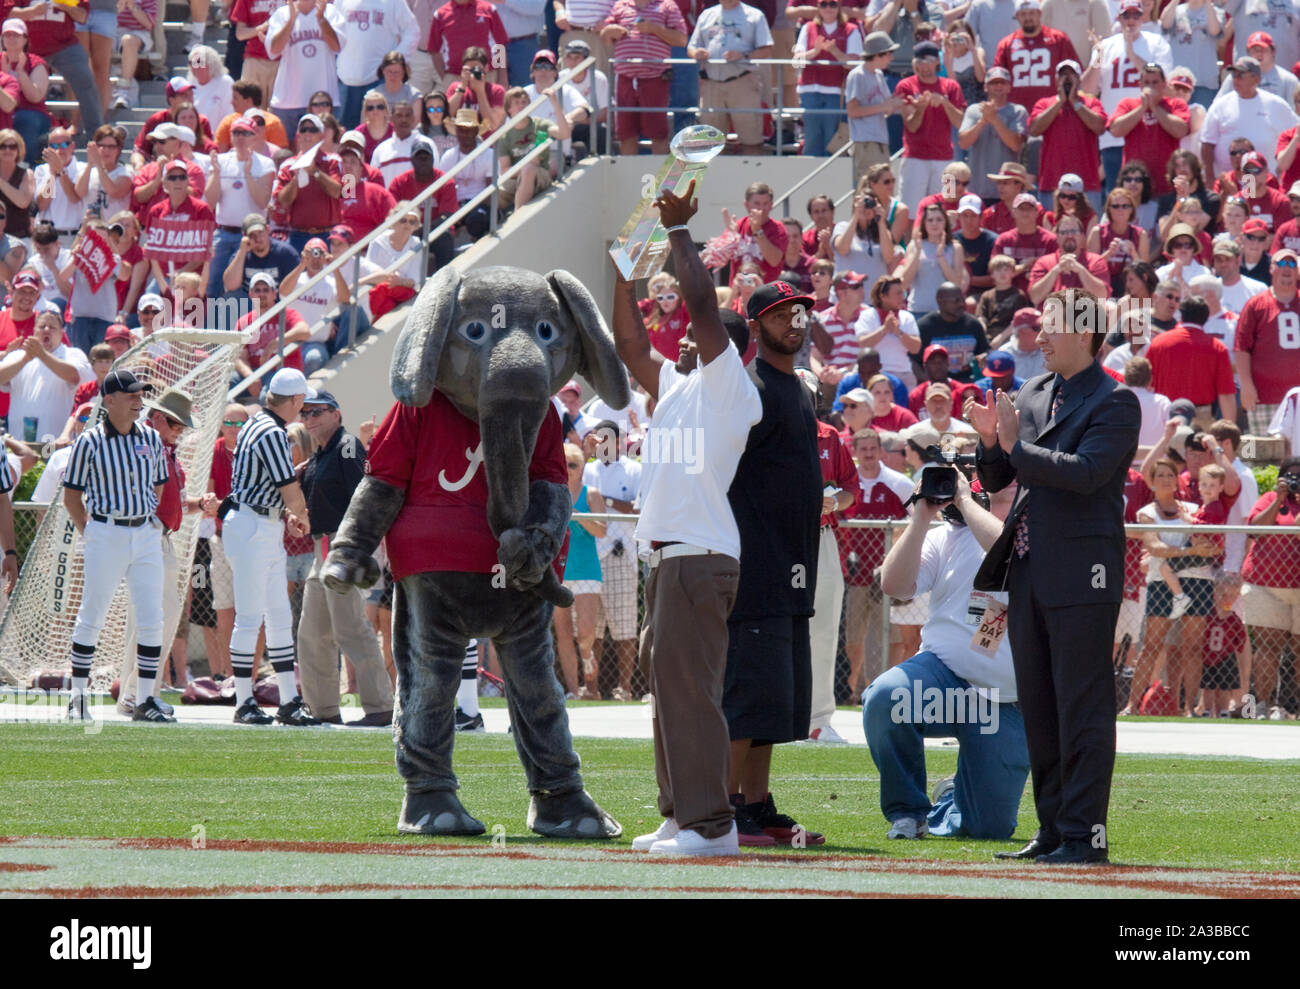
410,221
326,104
666,297
1068,195
1132,180
1257,237
242,133
375,106
1171,296
828,3
178,178
1286,263
174,423
235,423
309,129
849,405
1121,205
961,181
10,146
150,312
1183,245
887,180
435,109
1236,154
60,144
1131,15
313,413
747,280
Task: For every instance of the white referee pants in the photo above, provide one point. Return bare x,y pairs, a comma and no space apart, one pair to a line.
171,606
254,545
824,629
111,552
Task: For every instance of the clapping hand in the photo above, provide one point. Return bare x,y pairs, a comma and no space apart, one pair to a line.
1008,422
984,418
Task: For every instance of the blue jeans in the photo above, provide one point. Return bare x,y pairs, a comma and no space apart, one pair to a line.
819,128
73,63
351,98
1204,95
235,57
224,246
342,323
314,356
32,126
991,768
553,31
86,331
519,59
684,91
894,121
1112,160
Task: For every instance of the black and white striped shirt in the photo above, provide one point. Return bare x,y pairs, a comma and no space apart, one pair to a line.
263,463
118,471
6,475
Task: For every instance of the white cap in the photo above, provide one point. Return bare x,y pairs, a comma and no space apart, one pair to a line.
1068,63
1069,182
167,130
150,300
183,133
970,202
289,381
262,276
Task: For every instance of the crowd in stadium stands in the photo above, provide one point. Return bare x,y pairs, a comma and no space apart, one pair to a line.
1146,152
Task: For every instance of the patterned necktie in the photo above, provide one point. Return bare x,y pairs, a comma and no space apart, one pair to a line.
1021,538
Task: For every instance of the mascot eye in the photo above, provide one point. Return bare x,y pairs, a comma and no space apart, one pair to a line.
545,332
474,332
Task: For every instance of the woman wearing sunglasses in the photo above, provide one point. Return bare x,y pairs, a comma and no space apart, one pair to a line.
376,125
17,184
32,117
1118,239
434,121
664,315
1070,200
881,182
827,42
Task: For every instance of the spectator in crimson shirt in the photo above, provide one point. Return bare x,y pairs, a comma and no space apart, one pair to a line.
1151,125
1188,363
250,18
1011,180
473,90
763,240
179,90
935,106
1288,233
1069,123
415,180
1069,266
13,91
1272,569
1019,53
886,416
315,207
181,205
1268,203
369,203
264,346
1288,150
462,24
1267,344
52,34
1026,242
935,363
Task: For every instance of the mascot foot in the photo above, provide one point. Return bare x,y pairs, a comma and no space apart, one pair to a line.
436,812
571,815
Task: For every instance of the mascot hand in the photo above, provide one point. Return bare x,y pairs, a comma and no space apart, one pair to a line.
346,568
525,554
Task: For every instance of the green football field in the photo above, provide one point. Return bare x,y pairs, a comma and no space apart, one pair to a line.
196,810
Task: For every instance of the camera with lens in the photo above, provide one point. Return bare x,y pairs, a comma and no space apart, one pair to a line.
476,72
1292,482
939,478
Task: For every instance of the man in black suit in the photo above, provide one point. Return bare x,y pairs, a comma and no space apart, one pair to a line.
1068,439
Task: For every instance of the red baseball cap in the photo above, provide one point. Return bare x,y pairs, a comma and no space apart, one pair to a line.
1254,226
1260,38
1254,158
27,278
118,331
933,349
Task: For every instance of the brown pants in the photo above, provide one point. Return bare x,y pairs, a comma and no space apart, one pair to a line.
684,651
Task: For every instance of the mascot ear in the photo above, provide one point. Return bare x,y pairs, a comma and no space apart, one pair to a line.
415,359
597,359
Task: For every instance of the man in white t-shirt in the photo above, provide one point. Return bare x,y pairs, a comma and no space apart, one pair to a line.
56,181
393,155
707,405
325,306
41,378
306,44
238,185
1228,436
1248,112
1237,288
474,179
961,684
1115,73
544,74
618,479
593,86
51,480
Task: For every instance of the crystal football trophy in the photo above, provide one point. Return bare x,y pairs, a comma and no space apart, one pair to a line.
642,245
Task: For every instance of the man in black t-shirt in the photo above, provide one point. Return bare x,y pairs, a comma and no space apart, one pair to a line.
777,500
976,243
954,329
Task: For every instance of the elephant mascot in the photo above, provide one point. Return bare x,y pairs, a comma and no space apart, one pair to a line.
478,553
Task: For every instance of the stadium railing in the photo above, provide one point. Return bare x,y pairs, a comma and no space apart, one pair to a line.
424,202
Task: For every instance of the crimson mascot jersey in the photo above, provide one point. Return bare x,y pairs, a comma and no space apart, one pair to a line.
435,454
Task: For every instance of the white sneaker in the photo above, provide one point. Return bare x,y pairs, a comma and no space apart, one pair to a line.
827,736
908,827
668,829
1181,603
689,842
1277,713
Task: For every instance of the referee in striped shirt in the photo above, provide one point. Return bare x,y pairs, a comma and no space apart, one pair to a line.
264,489
111,487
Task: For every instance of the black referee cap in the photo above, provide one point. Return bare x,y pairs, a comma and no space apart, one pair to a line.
122,381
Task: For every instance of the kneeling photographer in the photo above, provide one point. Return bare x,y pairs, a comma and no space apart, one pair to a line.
960,684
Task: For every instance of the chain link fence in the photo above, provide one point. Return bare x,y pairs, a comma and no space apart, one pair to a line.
1236,580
